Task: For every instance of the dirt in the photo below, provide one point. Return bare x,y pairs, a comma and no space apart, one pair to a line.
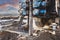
48,36
43,36
8,36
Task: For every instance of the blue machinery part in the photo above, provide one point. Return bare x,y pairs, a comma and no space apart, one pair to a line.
42,11
23,5
36,4
43,3
36,12
23,12
39,4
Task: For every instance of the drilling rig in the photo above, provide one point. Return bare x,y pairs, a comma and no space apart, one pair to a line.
35,17
44,10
